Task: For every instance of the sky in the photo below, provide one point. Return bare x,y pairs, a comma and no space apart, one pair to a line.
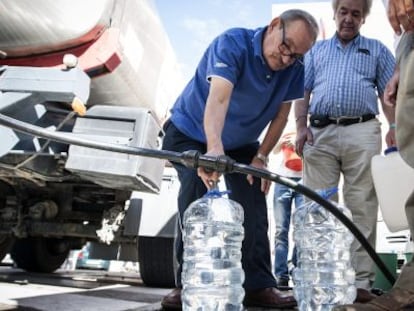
192,24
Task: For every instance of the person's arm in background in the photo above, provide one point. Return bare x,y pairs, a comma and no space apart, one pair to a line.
390,94
389,112
287,139
273,133
303,133
401,14
216,109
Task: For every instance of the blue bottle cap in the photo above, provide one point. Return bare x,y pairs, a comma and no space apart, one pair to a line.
215,193
390,149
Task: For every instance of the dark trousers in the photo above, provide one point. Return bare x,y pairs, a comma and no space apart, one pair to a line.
256,259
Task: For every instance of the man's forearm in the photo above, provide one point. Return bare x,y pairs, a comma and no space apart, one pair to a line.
213,127
215,114
301,113
389,111
275,130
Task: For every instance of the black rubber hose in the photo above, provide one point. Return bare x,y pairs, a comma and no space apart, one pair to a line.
195,159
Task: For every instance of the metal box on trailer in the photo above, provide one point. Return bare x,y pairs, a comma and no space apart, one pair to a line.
134,127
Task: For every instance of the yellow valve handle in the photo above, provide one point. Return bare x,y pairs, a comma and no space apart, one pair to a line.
78,106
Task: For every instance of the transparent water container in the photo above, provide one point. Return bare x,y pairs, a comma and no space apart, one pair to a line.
212,274
324,276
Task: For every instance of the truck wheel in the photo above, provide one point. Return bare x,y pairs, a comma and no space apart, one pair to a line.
37,254
6,243
156,261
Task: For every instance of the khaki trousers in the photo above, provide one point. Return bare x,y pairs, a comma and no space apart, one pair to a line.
348,150
405,136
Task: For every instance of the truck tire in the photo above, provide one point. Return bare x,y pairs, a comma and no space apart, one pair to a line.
156,261
38,254
6,243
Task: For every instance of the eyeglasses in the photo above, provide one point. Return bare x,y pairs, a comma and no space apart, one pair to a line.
285,50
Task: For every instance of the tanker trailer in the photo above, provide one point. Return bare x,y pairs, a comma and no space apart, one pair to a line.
102,70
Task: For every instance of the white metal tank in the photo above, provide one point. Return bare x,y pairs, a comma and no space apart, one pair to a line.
127,36
42,26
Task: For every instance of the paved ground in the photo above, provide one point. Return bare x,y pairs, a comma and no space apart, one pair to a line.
79,290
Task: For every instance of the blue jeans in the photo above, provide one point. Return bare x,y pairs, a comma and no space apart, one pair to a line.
282,210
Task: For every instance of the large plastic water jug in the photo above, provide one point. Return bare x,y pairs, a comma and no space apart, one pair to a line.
323,276
394,182
212,272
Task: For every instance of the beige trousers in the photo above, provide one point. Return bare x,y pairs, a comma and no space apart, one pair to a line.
405,136
348,150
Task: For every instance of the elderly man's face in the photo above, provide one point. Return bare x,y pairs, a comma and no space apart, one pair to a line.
349,18
286,43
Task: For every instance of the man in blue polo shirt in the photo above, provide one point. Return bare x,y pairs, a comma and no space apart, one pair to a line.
244,82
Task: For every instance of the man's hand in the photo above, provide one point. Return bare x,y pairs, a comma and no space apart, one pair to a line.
265,186
303,135
288,140
390,94
210,178
390,138
401,14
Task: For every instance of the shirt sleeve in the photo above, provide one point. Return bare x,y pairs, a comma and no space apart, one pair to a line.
223,58
385,69
309,70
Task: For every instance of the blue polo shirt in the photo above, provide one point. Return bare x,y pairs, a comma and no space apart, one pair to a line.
258,91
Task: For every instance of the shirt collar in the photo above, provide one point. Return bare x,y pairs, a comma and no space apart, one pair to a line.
354,41
257,42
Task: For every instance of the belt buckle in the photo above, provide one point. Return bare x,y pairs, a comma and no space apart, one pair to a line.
339,120
342,119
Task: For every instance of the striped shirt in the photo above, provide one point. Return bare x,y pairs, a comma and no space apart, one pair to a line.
346,81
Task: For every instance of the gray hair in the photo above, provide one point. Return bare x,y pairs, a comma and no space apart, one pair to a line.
308,19
366,8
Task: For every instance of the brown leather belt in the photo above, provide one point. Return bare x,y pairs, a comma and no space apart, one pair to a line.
322,121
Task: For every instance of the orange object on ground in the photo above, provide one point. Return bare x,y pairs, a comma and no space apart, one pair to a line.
291,158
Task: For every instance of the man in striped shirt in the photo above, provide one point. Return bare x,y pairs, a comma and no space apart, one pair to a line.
399,93
344,78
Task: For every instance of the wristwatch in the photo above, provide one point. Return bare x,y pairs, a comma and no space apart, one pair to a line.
262,158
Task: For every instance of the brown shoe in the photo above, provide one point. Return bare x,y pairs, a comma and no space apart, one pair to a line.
269,298
172,301
396,299
364,296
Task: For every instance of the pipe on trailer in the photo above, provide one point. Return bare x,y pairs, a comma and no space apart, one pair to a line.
195,159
